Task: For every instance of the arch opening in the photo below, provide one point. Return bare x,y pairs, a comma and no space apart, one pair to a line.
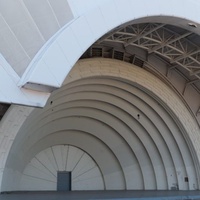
113,116
42,171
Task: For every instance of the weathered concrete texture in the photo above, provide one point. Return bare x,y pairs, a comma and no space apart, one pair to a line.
145,117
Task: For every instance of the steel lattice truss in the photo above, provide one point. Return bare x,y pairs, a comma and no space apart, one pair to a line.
159,39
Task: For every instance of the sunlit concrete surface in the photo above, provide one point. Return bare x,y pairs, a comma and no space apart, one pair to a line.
118,86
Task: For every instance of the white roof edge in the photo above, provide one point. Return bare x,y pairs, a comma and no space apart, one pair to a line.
11,93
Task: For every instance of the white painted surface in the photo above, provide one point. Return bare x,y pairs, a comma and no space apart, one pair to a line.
48,69
99,115
27,25
9,127
188,10
109,14
11,93
25,28
41,172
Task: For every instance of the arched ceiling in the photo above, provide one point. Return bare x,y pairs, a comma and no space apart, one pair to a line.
169,51
180,47
118,119
42,171
109,115
140,42
166,50
162,49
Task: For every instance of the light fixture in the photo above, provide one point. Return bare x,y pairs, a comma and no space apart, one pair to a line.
192,25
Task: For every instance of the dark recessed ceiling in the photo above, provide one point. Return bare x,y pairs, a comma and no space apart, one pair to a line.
134,43
3,108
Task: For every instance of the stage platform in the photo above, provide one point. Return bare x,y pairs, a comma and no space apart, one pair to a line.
119,195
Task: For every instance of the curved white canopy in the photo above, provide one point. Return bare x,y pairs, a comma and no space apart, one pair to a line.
52,63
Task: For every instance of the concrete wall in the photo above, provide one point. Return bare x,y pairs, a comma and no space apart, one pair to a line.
41,172
134,126
143,129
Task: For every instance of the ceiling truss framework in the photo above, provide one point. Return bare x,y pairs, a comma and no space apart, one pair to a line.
178,47
171,43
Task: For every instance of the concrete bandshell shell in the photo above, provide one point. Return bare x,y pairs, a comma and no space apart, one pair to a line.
55,56
116,69
187,11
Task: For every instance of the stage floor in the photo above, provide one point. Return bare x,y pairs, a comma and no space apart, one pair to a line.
119,195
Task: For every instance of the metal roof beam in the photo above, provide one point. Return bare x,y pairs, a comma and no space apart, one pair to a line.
168,42
194,81
186,55
192,73
143,35
107,36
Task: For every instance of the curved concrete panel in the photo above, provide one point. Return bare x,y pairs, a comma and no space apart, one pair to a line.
57,57
41,172
98,67
171,143
140,128
134,135
112,173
